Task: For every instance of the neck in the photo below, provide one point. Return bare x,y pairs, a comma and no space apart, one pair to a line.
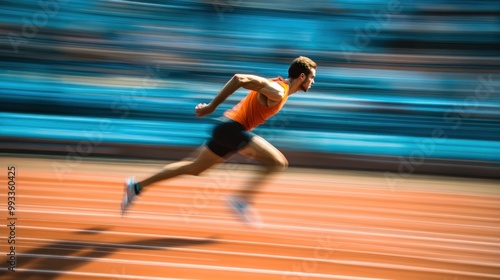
294,85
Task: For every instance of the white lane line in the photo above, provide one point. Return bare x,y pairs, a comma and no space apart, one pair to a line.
158,236
217,200
277,190
273,272
322,244
30,207
200,266
335,249
398,233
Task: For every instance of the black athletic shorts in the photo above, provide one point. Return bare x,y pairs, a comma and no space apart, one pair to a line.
228,137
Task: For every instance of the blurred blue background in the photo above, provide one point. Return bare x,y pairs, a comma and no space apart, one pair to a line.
398,82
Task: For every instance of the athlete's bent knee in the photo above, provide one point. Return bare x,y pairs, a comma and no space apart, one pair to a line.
283,164
278,165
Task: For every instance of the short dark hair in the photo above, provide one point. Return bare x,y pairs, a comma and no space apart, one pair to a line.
300,65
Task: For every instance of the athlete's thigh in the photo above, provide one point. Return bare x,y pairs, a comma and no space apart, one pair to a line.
258,148
207,158
194,154
201,159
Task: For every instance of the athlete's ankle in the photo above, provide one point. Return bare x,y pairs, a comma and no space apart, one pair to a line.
244,196
137,188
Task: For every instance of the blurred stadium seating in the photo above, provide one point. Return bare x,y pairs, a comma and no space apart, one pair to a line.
398,81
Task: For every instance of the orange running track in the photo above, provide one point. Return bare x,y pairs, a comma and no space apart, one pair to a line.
319,224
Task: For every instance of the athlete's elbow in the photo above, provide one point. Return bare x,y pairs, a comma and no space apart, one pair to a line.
239,79
250,82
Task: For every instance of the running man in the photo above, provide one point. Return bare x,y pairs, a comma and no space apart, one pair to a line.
233,135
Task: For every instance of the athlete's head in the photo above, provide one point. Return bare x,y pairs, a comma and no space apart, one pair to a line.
303,68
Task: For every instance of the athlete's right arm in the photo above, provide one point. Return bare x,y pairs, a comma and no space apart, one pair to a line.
272,90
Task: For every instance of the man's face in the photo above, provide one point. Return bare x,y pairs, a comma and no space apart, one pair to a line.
308,81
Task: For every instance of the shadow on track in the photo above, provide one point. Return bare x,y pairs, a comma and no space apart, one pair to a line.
52,260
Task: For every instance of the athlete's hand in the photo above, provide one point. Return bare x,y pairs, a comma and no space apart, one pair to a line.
203,109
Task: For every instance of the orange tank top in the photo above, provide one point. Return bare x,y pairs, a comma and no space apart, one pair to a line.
250,113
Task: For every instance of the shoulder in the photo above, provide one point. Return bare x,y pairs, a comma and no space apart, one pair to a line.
280,82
